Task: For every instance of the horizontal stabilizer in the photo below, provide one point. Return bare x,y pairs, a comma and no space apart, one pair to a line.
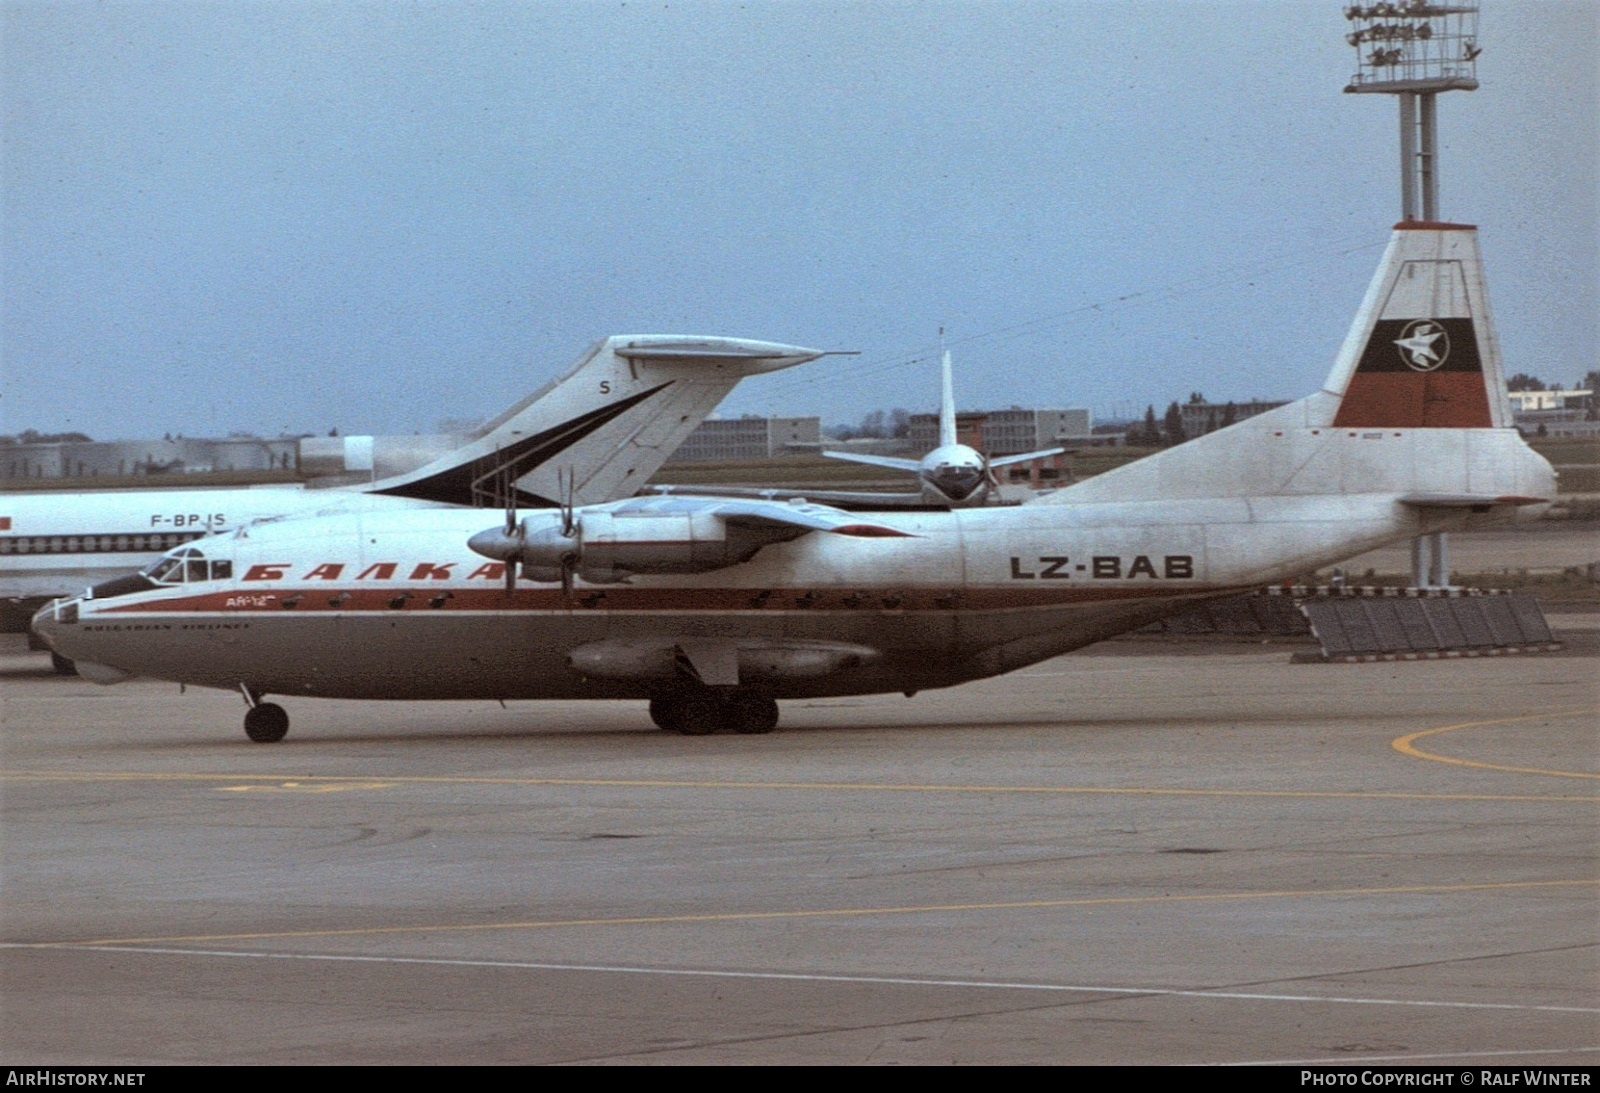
757,356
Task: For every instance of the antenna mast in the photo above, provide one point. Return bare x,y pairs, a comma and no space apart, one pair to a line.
1414,49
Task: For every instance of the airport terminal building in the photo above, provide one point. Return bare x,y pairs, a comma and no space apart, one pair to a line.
751,437
170,455
1006,432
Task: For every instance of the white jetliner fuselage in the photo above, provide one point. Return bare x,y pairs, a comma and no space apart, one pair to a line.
613,418
714,608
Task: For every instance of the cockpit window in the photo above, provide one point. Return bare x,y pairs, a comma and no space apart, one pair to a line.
957,480
186,565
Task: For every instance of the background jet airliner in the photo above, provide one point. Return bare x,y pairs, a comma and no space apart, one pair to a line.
615,416
715,608
953,475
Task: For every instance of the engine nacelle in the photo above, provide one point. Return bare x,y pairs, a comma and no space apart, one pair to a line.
607,547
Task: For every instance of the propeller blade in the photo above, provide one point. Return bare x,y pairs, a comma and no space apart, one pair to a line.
510,498
568,481
569,568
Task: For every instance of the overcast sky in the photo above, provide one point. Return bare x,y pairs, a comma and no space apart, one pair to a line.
294,216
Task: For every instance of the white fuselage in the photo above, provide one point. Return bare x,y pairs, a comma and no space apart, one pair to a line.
395,605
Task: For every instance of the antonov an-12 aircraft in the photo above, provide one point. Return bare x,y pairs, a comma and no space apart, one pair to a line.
715,609
615,416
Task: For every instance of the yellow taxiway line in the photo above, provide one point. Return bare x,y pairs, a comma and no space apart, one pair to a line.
1406,745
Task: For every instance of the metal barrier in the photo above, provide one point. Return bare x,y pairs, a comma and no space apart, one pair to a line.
1428,626
1367,623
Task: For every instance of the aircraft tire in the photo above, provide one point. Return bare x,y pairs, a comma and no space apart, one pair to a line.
62,665
667,714
752,713
266,723
699,716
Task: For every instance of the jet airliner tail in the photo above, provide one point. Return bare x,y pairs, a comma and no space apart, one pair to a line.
611,421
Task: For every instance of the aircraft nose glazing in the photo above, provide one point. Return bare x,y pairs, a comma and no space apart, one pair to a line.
52,615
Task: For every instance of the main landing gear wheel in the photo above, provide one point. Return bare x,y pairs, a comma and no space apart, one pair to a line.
748,713
700,715
666,713
266,723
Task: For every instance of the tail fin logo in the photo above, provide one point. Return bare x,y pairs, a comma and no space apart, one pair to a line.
1424,345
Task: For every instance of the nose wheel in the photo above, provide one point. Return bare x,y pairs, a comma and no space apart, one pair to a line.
266,723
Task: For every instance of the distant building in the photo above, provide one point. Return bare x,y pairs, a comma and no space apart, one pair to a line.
89,459
751,437
1200,418
355,458
1006,432
1523,402
1557,413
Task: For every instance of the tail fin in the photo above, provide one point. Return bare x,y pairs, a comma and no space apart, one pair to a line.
613,419
1415,406
1422,351
947,406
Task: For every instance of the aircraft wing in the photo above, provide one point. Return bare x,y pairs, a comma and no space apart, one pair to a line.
797,515
889,461
1472,501
853,500
1007,460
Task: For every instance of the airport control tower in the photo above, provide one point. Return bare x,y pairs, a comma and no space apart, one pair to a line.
1413,50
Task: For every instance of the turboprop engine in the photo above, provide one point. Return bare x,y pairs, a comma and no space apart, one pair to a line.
605,547
604,544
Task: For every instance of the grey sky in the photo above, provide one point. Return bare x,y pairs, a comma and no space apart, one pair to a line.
298,215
